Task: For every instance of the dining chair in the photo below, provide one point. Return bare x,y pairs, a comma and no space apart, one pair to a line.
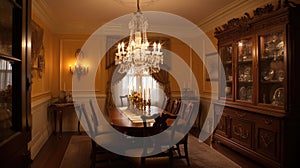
123,99
181,125
99,135
175,106
161,148
166,103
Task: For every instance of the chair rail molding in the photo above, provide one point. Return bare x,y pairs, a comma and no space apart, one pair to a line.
40,98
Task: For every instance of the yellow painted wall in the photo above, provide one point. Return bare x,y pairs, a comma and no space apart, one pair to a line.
68,46
42,84
43,89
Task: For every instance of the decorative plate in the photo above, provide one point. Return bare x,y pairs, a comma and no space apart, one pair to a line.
278,97
249,93
243,93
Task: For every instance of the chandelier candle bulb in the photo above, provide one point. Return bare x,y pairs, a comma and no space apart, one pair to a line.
159,46
123,48
154,47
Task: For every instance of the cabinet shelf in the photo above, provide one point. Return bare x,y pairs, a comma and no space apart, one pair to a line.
8,57
271,58
246,82
227,62
271,82
245,61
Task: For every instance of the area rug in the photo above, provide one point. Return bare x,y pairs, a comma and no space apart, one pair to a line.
78,151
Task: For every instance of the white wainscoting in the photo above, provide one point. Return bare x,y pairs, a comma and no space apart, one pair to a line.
42,122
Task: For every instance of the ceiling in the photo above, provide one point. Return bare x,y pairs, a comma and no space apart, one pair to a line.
85,16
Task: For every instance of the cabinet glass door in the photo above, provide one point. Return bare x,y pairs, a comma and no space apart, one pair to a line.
226,55
271,68
244,70
6,123
6,21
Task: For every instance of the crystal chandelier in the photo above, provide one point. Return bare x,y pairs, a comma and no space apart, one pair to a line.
138,57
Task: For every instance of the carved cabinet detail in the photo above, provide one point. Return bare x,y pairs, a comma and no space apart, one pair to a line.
241,132
257,133
257,110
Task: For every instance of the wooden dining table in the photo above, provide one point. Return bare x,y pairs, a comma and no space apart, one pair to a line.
124,124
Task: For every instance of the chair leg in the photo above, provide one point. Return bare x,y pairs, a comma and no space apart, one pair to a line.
171,158
178,150
93,156
143,160
186,154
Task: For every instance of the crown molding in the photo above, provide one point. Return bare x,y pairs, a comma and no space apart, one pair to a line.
232,10
41,10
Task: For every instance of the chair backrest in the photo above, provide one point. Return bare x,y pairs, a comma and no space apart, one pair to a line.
166,104
159,125
185,114
175,106
88,119
124,99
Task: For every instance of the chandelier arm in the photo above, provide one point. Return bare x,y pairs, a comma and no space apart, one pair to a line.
138,6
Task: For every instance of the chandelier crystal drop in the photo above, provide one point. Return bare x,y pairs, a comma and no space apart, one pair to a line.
139,57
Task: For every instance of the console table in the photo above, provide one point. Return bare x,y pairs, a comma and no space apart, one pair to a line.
59,109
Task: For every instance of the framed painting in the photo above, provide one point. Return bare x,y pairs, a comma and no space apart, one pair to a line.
38,51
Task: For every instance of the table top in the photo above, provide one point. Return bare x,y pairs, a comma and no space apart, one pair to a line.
120,120
64,104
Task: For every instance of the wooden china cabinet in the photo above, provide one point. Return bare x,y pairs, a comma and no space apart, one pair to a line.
15,79
259,89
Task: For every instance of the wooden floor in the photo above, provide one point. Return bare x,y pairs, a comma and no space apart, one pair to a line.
53,151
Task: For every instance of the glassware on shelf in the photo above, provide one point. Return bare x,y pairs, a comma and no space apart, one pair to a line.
268,75
228,90
242,93
226,55
271,66
245,50
245,74
278,97
273,45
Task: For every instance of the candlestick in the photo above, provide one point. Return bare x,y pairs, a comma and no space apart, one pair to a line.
149,105
149,96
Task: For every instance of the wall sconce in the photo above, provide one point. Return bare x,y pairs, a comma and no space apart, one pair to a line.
78,68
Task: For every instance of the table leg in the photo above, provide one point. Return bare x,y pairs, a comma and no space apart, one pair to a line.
55,117
60,122
78,124
78,128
